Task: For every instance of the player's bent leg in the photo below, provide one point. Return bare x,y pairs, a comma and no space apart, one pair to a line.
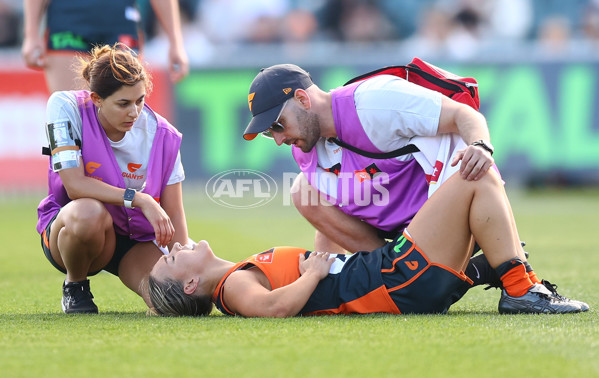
136,265
460,209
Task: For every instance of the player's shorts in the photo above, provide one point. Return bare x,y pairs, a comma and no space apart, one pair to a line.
388,235
123,245
415,284
80,25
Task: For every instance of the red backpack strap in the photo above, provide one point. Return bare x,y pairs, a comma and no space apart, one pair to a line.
454,86
461,89
399,71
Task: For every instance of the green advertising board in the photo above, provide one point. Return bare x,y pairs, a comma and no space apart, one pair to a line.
542,118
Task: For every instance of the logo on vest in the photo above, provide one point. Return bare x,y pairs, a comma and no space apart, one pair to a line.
91,167
241,188
133,167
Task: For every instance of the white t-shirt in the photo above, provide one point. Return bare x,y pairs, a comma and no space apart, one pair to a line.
130,152
392,111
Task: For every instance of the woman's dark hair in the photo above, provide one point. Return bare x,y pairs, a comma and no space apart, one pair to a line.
169,299
108,68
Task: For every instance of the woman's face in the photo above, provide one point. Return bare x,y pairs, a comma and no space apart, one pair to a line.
118,112
183,262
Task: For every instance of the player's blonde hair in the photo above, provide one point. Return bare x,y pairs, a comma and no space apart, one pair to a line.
169,299
108,68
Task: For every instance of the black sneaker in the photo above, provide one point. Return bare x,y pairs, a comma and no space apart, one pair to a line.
77,298
538,300
553,289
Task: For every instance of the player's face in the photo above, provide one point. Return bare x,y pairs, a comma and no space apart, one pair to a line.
300,128
183,262
120,110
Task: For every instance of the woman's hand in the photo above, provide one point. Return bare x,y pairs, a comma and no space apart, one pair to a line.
158,218
318,263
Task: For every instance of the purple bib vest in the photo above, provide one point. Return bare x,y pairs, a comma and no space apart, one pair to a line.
385,193
99,162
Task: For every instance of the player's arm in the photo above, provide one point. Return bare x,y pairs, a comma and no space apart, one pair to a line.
247,295
78,186
471,126
167,12
33,43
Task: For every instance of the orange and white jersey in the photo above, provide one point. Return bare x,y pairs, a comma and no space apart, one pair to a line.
396,278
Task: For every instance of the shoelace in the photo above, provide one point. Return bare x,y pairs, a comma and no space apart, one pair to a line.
553,289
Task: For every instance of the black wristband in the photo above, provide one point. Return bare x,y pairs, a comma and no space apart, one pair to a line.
486,145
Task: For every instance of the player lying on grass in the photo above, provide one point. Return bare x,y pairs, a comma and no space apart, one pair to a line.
419,272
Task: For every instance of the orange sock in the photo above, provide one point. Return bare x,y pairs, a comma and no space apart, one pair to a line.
516,281
533,277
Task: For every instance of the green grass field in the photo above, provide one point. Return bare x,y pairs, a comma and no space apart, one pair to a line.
473,340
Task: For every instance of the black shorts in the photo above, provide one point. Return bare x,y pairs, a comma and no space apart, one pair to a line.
80,25
123,245
416,285
388,235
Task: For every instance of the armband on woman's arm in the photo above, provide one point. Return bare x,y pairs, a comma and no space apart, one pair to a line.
65,151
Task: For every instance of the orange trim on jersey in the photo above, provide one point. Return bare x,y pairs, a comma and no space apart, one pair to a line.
376,301
45,238
222,280
275,273
221,287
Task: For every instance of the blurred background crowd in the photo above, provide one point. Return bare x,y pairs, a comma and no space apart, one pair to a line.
537,60
452,29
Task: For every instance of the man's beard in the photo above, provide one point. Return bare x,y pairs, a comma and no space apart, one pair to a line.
310,134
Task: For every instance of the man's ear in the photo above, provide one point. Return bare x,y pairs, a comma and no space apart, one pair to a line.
303,98
191,285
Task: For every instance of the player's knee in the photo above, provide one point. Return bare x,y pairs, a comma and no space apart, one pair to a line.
491,179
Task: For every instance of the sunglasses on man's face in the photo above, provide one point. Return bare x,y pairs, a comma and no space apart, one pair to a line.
276,126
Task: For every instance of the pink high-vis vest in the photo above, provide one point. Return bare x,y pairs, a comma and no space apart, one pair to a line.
385,193
363,182
100,163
